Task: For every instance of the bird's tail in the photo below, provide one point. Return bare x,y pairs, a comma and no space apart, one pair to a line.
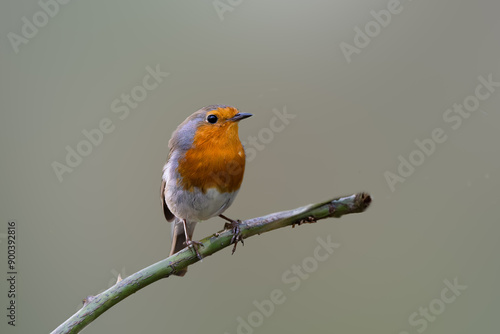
179,238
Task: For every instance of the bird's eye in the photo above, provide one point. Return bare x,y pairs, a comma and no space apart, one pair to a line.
212,119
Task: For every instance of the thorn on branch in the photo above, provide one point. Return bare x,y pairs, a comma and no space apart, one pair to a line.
87,300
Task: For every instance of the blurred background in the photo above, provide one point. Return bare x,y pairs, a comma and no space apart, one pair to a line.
360,82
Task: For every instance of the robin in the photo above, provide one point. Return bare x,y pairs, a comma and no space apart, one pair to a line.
203,173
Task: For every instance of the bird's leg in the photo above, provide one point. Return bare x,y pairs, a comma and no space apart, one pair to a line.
190,243
234,225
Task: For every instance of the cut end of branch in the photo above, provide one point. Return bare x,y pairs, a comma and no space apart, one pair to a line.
352,204
364,200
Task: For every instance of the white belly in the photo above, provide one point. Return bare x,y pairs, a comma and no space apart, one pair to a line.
194,205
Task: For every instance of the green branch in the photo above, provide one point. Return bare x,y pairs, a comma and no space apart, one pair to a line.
94,306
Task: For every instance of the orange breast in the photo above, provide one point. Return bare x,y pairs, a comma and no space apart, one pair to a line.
216,160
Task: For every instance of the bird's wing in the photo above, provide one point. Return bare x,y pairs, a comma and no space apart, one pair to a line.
169,216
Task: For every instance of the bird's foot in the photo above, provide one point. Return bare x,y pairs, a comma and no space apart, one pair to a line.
194,245
234,226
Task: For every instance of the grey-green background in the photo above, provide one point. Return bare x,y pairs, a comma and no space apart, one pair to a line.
352,122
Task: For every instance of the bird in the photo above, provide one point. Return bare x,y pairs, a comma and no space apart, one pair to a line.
203,173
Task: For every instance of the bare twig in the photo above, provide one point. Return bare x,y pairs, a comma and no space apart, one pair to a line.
94,306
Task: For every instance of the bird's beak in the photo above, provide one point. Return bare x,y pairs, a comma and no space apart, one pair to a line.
239,116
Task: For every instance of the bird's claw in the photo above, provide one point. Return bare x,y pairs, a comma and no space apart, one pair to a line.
235,228
194,246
